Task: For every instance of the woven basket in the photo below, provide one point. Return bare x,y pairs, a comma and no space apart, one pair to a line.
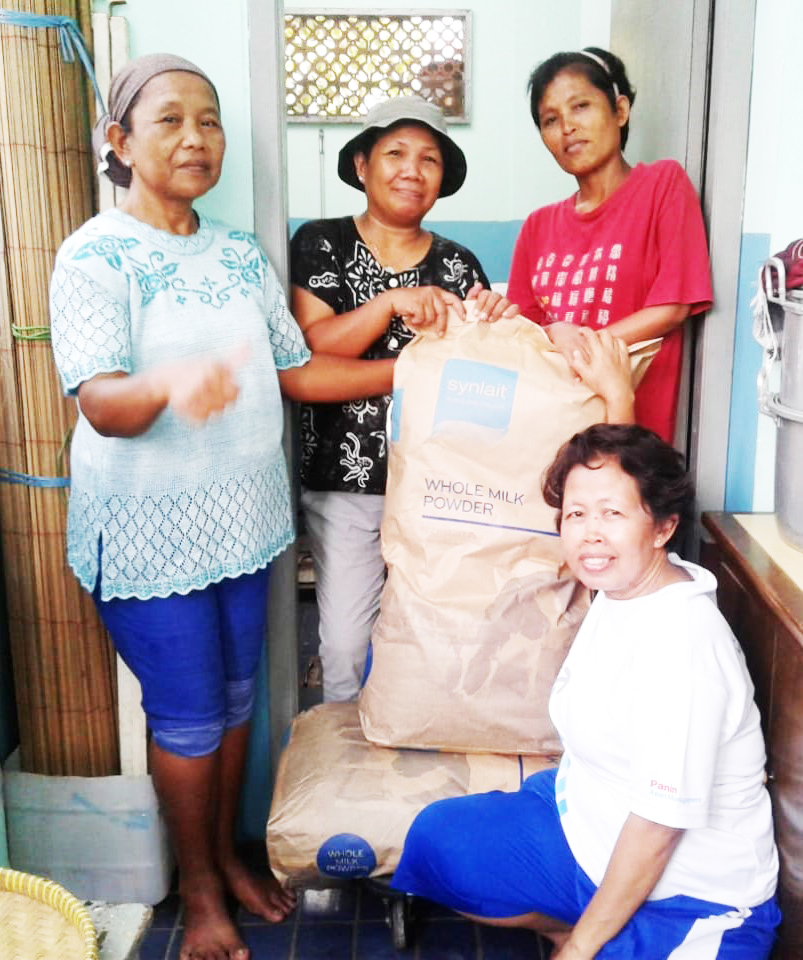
40,920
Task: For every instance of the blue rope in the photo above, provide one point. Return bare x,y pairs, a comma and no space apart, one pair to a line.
11,476
71,40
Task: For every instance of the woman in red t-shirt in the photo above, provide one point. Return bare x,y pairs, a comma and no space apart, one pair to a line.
627,251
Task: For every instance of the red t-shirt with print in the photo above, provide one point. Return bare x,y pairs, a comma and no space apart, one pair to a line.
644,246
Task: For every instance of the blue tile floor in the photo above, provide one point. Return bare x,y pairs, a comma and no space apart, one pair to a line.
350,923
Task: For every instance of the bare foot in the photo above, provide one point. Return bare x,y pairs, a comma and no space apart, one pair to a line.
209,933
259,893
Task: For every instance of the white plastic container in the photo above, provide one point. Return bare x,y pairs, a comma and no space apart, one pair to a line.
789,448
782,341
103,838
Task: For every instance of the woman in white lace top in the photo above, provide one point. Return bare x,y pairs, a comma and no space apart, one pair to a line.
173,333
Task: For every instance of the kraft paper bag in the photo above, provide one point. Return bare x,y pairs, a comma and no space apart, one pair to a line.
342,807
478,610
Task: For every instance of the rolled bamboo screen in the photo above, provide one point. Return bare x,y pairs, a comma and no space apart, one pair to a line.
64,667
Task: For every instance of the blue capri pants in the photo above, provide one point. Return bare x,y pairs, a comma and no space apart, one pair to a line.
500,854
195,657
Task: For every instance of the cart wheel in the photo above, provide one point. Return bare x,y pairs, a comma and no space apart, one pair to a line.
400,923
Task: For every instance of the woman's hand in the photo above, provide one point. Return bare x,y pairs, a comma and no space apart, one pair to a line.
568,339
491,305
125,405
424,306
639,858
197,389
604,366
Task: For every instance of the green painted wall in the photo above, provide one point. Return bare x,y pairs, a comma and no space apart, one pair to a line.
215,36
510,172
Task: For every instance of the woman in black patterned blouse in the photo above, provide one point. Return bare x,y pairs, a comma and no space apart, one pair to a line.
361,285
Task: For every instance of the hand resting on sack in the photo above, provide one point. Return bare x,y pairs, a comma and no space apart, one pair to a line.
602,362
490,304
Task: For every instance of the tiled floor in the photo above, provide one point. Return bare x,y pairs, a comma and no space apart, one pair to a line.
349,923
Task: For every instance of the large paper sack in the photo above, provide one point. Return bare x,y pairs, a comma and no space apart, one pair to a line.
342,807
478,610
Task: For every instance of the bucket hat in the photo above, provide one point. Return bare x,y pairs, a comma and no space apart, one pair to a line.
397,111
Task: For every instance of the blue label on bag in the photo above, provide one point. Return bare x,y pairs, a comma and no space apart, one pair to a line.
346,855
395,414
476,393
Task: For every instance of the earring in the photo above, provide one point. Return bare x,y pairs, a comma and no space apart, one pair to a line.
361,179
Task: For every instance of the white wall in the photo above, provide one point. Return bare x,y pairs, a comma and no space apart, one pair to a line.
510,172
773,202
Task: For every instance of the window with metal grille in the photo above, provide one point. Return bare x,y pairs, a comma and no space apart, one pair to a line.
338,64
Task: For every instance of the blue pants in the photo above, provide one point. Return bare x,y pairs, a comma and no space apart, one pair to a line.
195,656
504,854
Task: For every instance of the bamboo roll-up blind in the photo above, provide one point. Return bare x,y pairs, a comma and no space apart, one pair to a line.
64,667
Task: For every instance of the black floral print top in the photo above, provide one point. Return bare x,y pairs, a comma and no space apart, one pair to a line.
343,446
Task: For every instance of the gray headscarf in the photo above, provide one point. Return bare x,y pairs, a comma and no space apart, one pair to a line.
125,86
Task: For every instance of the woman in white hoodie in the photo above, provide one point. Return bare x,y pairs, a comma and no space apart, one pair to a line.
654,837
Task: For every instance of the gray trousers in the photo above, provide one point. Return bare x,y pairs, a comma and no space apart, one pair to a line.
343,531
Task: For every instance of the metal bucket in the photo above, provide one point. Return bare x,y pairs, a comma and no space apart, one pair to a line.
786,406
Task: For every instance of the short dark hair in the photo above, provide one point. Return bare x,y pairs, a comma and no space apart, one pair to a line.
578,62
665,487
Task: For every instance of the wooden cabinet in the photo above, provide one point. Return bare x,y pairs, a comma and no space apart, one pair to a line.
764,607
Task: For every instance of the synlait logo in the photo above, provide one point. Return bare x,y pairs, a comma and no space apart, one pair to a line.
476,393
477,388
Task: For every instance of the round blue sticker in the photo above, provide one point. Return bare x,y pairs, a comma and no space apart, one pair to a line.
346,855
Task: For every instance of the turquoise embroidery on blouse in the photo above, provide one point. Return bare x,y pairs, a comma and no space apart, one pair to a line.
176,507
156,276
